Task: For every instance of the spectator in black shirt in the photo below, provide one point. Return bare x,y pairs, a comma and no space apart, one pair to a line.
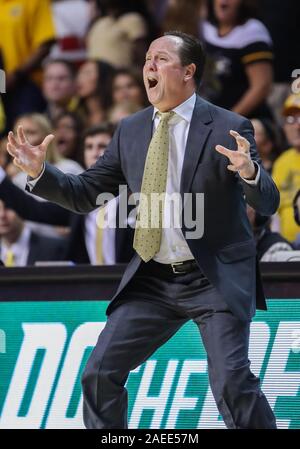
239,53
267,138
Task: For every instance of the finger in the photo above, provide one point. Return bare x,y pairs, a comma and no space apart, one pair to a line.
48,139
12,140
21,135
18,163
232,168
11,149
224,150
234,133
242,142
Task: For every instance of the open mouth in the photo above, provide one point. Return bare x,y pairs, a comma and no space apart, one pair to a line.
60,142
152,82
224,6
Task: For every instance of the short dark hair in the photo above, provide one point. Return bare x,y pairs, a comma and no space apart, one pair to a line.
190,52
76,119
71,68
103,128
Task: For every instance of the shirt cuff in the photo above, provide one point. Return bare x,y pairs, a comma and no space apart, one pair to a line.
31,182
253,182
2,174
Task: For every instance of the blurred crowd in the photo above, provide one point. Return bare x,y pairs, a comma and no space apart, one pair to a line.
74,68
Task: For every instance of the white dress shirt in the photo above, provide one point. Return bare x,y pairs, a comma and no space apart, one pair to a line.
20,248
108,236
173,247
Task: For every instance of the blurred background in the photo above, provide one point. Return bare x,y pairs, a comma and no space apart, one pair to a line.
74,68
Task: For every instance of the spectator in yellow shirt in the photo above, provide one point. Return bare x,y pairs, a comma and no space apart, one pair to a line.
27,34
286,169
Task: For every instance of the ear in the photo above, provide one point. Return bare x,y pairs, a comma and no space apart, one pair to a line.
189,71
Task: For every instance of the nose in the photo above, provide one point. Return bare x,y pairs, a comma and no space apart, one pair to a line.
151,65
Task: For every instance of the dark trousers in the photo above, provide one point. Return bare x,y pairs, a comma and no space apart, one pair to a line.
152,308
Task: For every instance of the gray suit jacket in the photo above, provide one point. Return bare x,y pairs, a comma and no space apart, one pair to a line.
226,253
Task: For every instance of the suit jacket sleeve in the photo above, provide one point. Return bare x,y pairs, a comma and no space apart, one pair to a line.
263,197
30,208
79,192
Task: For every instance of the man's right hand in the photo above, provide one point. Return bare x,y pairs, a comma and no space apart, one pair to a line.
27,157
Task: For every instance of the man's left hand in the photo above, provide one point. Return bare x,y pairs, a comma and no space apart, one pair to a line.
240,160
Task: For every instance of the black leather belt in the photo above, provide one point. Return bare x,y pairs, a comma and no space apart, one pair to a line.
177,267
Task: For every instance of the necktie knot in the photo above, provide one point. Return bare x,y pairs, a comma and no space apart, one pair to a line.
166,116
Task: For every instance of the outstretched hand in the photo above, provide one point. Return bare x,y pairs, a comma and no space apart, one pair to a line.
27,157
240,160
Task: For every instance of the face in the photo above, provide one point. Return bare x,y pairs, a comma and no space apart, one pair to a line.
87,79
167,82
32,130
58,84
66,136
94,147
126,89
292,129
10,223
226,11
264,144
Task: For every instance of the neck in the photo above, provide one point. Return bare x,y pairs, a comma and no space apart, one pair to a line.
92,105
55,109
169,106
12,237
225,28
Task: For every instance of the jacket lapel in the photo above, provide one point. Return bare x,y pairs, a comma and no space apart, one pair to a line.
144,138
198,134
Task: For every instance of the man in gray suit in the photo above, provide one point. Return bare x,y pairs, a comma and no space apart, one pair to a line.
173,277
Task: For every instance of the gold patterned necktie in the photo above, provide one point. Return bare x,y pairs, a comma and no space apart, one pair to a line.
9,259
147,235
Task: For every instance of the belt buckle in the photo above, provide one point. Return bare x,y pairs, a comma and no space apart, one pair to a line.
173,265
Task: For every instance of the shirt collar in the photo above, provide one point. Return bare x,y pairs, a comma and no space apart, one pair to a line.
184,110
